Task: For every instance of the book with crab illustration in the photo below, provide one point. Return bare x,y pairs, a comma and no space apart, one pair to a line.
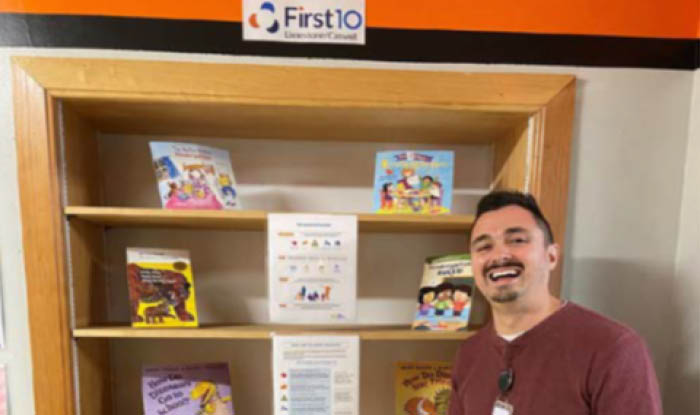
445,294
422,388
161,288
192,389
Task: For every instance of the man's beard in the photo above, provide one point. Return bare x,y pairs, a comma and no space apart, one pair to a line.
505,296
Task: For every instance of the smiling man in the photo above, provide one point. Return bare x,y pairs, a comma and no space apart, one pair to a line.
541,355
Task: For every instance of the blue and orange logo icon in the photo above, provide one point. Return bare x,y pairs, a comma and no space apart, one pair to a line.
265,17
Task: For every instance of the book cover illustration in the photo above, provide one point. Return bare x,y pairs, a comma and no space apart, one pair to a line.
422,388
445,294
413,182
192,176
161,288
196,389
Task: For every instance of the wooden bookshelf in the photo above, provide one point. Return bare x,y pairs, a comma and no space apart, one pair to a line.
61,108
257,219
262,332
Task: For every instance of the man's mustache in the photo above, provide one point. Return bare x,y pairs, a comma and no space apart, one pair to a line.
504,263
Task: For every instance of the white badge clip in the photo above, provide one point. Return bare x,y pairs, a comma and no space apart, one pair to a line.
502,408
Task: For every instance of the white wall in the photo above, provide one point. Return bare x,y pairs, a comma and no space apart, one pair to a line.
630,138
683,366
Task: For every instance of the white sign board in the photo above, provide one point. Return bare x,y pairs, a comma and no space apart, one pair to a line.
304,21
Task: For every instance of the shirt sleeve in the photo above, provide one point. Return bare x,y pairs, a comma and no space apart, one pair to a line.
623,380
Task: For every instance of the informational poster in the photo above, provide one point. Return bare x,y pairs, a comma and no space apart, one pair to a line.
316,375
312,268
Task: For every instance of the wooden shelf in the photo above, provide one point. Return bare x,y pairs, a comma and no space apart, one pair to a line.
262,332
257,219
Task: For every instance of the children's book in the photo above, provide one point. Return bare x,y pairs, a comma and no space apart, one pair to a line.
161,287
198,389
445,294
192,176
422,388
413,182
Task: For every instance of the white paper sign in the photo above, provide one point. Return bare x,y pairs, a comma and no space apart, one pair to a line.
312,268
316,375
305,21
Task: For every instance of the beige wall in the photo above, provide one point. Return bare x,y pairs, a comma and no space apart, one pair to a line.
626,195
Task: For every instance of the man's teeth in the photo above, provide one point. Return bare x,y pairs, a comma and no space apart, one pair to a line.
502,274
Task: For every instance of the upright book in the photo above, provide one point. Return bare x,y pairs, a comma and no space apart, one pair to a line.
192,176
197,389
422,388
445,294
161,288
413,181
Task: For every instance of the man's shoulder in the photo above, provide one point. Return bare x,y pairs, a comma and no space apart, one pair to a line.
586,325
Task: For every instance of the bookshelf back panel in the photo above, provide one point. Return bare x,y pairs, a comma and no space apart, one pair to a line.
250,364
279,175
79,151
230,274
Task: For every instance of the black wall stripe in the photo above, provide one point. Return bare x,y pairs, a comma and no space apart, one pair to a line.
381,44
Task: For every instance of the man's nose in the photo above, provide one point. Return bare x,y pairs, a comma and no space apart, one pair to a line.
501,253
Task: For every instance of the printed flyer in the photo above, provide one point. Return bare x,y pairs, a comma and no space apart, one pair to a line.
312,268
316,375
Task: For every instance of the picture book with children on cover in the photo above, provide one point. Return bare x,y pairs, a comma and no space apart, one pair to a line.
413,181
193,389
422,388
445,294
192,176
161,288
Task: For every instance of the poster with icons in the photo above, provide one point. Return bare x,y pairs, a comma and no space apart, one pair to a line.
312,268
316,375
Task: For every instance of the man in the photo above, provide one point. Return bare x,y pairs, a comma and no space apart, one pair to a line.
541,355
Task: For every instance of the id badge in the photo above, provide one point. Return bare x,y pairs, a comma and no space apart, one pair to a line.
502,408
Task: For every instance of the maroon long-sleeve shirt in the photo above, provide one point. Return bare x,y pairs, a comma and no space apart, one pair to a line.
574,362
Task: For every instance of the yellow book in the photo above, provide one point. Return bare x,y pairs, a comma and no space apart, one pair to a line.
422,388
161,288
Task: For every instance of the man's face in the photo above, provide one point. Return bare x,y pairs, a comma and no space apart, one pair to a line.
510,257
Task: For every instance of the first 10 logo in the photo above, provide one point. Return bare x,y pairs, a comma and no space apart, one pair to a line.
299,18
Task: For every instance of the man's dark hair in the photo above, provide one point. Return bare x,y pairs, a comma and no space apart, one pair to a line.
502,198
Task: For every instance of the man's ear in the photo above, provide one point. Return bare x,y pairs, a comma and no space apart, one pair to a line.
553,255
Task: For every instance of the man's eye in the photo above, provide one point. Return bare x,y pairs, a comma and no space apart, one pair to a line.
483,248
518,240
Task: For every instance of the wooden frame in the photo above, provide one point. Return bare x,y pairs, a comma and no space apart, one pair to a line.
102,94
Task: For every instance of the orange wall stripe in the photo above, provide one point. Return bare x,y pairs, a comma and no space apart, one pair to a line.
641,18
